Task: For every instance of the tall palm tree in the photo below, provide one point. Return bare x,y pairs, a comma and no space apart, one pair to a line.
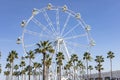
110,55
11,57
44,47
30,56
99,60
59,58
87,57
74,59
90,67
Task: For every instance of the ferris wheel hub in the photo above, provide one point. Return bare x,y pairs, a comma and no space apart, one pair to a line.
59,40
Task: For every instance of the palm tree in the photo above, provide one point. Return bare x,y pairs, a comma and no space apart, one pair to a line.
110,56
59,58
11,57
74,59
90,67
99,60
44,47
87,57
30,56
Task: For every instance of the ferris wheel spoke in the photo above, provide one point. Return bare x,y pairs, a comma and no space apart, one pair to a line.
36,33
65,49
65,45
76,44
49,21
44,28
74,37
83,24
65,24
71,30
57,21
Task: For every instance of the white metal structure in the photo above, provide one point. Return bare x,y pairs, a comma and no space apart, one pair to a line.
65,28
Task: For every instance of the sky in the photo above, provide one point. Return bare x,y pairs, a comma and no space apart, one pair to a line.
102,15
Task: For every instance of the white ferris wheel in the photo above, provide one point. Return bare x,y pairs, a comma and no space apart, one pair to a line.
63,27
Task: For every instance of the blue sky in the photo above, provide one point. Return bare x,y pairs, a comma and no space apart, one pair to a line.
102,15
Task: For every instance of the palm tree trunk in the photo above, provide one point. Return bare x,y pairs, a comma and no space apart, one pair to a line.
6,77
99,74
22,74
90,75
47,73
60,72
44,67
34,76
74,71
87,70
82,73
12,71
29,69
25,76
111,67
18,77
39,74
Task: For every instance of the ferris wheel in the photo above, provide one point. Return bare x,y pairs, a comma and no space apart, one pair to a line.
63,27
